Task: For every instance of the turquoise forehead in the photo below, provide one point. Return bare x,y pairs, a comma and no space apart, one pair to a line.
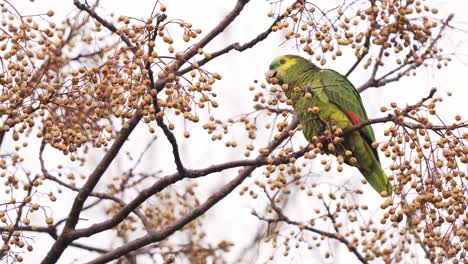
275,63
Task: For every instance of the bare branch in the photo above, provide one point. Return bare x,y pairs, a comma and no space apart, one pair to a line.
172,140
88,55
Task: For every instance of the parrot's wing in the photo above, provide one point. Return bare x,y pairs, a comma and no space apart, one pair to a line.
342,93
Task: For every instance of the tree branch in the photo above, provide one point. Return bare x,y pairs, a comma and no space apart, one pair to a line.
172,140
19,214
283,218
392,117
64,239
69,230
235,46
214,32
210,202
52,231
363,55
375,83
56,179
168,180
105,23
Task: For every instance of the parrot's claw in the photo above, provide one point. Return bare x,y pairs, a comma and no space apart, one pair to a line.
309,89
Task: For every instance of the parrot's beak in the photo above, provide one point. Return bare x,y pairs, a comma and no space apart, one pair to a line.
270,74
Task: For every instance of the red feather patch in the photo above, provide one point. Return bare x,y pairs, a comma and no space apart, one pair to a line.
353,117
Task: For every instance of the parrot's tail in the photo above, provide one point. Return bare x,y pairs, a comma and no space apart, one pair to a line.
378,180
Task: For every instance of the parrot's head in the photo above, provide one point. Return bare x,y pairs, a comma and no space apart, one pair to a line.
287,68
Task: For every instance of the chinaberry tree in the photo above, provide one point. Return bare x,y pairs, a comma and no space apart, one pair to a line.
84,85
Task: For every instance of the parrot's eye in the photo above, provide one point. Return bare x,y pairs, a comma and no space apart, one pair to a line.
283,61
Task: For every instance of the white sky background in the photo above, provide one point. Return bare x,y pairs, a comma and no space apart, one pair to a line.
231,218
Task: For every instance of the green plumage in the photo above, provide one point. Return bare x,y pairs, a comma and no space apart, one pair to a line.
339,105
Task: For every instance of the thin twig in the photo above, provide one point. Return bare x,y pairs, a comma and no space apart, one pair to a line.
382,81
337,236
363,55
236,46
101,196
101,20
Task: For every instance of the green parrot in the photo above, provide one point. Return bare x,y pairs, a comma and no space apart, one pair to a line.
323,99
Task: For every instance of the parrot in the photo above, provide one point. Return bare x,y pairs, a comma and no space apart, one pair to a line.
323,99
